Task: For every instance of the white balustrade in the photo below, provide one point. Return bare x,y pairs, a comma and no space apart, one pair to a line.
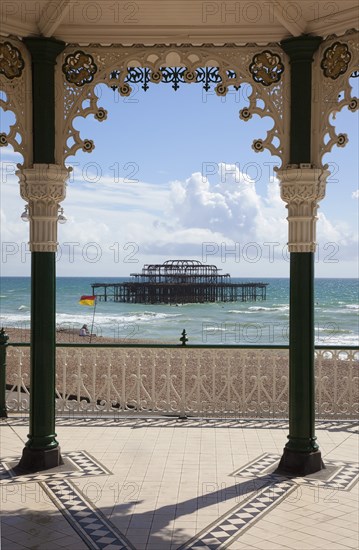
186,381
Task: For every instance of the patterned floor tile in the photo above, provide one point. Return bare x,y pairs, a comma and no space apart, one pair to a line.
345,476
222,532
82,464
337,474
99,533
89,522
258,467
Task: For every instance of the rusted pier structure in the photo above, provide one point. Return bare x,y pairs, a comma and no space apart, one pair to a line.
179,282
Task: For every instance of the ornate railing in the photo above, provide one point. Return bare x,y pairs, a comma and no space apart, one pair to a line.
215,381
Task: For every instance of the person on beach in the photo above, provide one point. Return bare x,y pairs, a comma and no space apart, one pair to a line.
84,331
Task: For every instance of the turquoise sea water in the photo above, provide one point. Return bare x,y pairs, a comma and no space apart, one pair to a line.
336,314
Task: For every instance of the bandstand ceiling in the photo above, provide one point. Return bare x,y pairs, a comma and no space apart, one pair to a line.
176,21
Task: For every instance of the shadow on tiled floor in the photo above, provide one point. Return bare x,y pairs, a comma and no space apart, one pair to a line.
161,485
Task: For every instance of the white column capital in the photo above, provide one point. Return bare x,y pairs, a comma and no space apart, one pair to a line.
302,187
43,187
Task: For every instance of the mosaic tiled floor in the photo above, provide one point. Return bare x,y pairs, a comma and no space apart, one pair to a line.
82,464
337,474
94,528
221,533
98,532
229,527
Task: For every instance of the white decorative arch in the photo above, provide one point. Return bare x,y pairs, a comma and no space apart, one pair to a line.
80,69
15,83
335,62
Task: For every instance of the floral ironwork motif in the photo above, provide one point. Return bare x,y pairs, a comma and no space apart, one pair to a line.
216,69
335,71
172,75
342,140
221,89
101,114
266,68
257,145
156,76
88,146
79,68
353,105
16,97
11,61
245,114
336,60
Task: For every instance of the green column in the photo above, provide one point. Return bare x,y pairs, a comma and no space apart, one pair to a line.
301,354
301,454
42,450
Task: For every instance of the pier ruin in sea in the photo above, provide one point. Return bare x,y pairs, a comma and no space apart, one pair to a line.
179,282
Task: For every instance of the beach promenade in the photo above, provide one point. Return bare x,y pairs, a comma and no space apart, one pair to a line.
163,484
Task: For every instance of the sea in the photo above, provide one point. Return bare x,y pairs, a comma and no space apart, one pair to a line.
234,323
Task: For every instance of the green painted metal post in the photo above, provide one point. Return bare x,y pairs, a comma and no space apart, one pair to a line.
301,454
42,450
3,345
184,338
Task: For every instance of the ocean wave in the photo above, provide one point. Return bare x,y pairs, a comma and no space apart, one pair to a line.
14,320
342,311
352,306
274,308
131,317
146,316
334,330
23,308
154,314
214,328
340,340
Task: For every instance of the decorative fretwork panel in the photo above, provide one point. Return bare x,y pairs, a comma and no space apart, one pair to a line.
186,382
266,72
15,86
335,65
337,388
18,379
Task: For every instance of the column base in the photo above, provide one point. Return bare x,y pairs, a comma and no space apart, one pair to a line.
300,464
35,460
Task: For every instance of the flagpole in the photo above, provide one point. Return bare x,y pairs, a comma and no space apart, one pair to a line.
93,320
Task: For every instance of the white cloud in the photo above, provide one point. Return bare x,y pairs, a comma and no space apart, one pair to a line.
162,221
230,206
355,194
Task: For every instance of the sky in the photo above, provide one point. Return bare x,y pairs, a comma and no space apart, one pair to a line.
173,176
